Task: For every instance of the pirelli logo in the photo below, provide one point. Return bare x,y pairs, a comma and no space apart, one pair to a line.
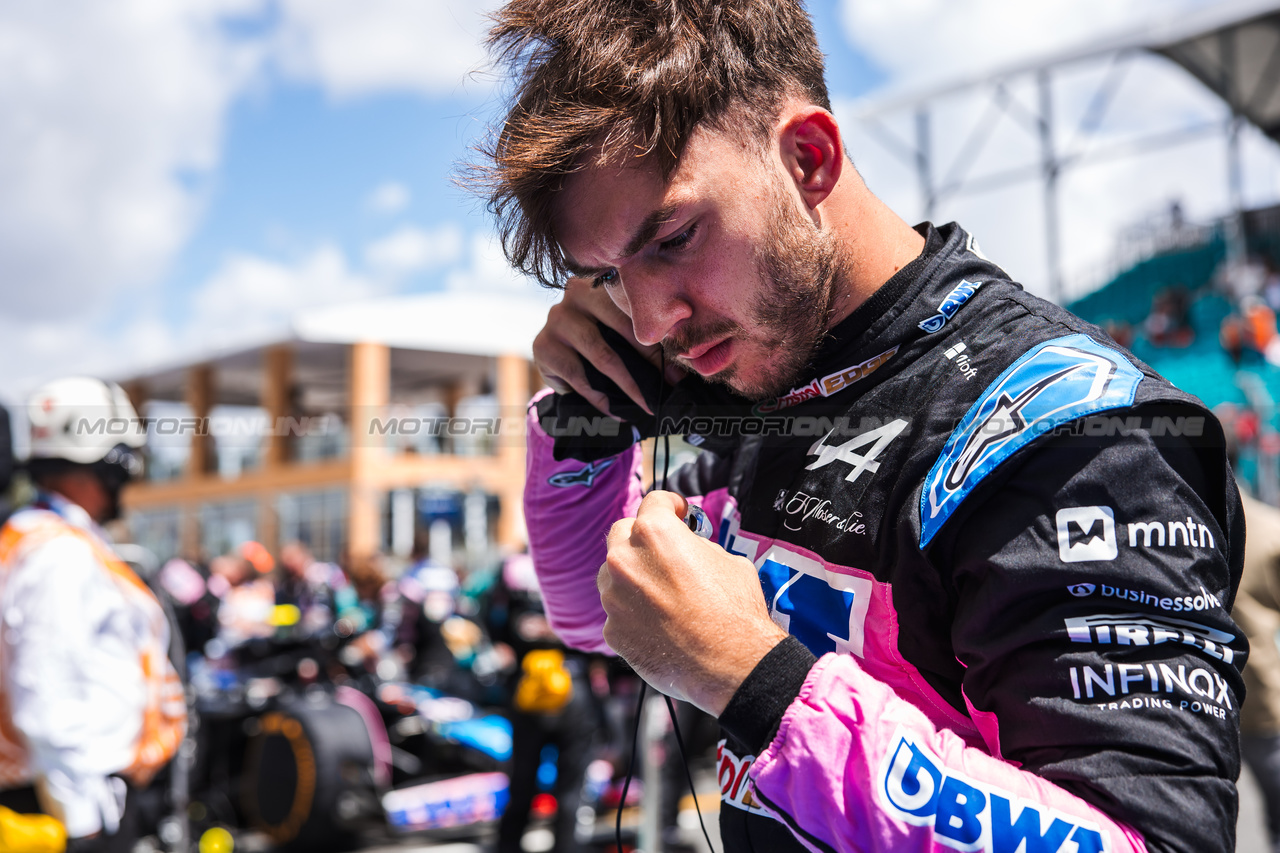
1137,629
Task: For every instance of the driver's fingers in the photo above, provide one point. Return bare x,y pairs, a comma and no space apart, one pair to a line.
599,303
556,352
562,369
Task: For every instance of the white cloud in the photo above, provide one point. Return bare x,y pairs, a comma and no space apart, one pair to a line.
379,45
112,119
34,352
409,250
488,271
105,111
388,198
111,125
251,296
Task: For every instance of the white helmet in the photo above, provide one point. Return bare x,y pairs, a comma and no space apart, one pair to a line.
83,420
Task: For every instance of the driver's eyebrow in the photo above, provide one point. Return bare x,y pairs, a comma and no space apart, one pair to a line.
649,228
644,234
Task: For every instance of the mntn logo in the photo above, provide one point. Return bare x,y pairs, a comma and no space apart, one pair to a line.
1086,533
967,815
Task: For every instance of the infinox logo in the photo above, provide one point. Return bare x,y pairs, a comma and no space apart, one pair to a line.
826,386
965,814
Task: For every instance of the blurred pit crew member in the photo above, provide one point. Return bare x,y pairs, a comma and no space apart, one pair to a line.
307,584
1257,611
246,598
929,490
90,706
426,598
360,605
553,702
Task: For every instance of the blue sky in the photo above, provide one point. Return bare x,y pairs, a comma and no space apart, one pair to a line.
181,178
298,166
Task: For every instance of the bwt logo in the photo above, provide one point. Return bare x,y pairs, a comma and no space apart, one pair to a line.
969,815
1086,533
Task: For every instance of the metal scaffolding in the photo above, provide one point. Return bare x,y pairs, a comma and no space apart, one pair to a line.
1232,48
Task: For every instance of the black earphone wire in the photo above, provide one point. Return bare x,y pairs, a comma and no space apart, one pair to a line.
671,708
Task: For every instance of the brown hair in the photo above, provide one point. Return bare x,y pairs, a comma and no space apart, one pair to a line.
624,78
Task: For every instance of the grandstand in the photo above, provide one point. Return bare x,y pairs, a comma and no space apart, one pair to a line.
1196,302
1209,326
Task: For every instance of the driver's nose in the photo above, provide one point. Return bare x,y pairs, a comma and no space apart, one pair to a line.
655,304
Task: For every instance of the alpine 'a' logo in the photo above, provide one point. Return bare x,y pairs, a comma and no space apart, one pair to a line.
877,438
582,477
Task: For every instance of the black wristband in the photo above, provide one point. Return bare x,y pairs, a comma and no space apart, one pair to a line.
755,711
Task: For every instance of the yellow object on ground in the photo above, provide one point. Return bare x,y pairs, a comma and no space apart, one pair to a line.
217,840
546,685
30,833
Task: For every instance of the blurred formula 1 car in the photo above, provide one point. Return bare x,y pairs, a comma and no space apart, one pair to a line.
309,746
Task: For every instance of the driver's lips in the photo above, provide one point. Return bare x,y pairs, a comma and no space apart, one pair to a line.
713,359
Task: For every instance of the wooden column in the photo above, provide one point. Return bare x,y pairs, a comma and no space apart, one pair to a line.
275,399
189,533
536,382
200,459
200,398
513,395
369,391
277,381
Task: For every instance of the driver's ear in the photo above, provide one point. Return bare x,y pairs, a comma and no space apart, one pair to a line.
812,152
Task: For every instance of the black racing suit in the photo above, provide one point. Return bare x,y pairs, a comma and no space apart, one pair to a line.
982,519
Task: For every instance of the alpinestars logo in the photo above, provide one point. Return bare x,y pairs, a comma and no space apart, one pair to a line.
582,477
950,304
1054,383
878,439
1086,533
1005,421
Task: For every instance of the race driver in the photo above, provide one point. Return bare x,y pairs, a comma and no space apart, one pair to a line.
973,562
90,705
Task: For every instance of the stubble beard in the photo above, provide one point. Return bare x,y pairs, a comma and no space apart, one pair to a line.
800,266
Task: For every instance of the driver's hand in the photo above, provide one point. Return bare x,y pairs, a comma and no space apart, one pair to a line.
571,332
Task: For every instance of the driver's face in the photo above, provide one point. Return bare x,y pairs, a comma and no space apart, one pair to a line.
720,265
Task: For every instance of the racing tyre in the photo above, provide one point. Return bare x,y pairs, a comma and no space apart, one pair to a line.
309,776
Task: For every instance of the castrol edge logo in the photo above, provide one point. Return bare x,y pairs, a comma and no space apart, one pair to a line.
830,384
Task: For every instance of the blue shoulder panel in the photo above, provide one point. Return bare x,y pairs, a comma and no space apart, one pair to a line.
1053,383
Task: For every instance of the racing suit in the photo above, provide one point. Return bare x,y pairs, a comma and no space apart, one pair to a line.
88,696
1005,551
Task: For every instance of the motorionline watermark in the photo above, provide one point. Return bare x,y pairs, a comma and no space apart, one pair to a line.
218,426
374,428
381,427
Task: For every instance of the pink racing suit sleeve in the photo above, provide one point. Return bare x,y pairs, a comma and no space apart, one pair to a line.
569,507
853,767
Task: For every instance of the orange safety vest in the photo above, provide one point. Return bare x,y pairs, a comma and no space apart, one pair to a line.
165,711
